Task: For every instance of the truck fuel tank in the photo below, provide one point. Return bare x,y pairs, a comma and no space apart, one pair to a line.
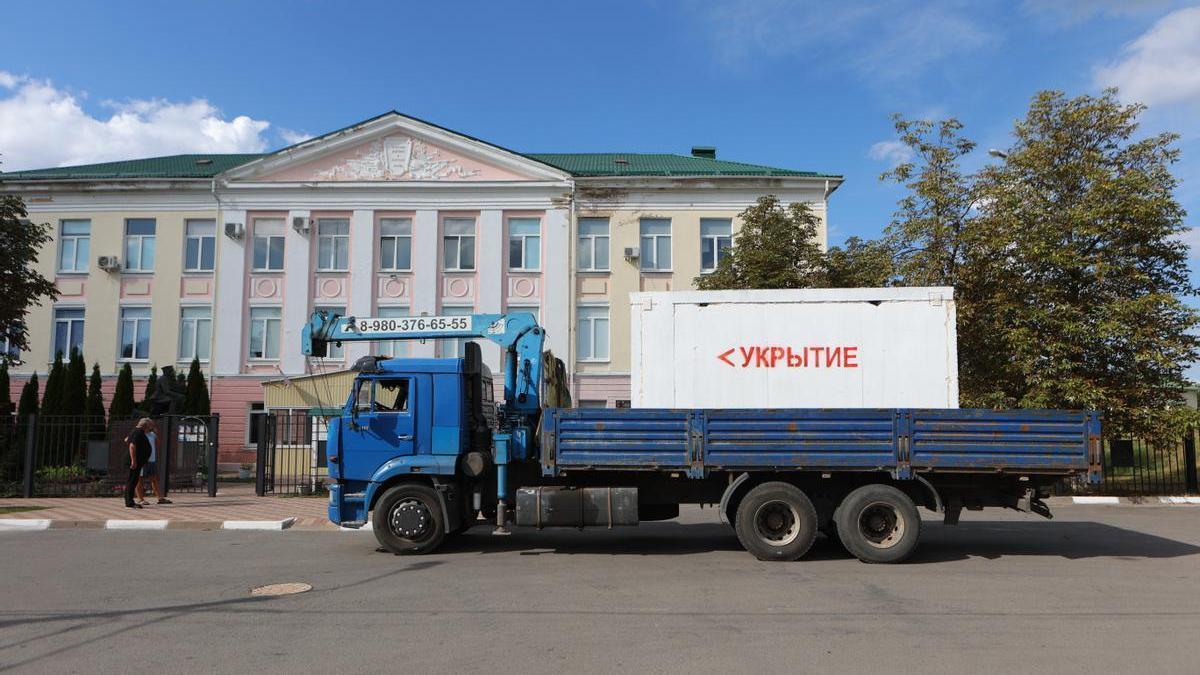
560,506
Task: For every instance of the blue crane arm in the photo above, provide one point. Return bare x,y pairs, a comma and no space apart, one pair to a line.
518,334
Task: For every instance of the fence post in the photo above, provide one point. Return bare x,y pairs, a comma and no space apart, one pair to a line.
166,445
1189,462
31,433
214,436
260,482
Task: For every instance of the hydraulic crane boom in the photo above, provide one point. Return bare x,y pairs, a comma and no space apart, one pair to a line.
518,335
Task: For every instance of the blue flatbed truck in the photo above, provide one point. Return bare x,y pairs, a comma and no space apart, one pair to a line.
421,450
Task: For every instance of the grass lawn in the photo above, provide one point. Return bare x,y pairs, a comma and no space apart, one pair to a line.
19,509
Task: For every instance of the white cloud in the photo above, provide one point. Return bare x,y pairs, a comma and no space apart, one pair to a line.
881,39
893,152
292,137
1161,66
42,125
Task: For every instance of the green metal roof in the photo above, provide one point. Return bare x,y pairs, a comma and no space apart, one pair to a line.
172,166
593,164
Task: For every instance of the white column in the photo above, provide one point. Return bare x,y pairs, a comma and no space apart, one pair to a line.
229,297
425,255
490,276
556,285
297,292
362,275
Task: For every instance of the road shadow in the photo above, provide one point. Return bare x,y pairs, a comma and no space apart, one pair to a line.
939,543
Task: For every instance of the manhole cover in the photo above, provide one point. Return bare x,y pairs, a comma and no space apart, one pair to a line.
282,589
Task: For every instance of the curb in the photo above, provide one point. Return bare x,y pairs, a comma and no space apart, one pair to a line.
1095,500
258,524
23,524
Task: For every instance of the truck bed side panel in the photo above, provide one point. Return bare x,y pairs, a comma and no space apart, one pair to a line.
634,439
999,439
852,438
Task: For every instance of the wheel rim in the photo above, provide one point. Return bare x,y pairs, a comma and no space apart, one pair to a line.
881,525
777,523
411,519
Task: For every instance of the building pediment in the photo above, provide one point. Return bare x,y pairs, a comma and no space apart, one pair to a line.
393,148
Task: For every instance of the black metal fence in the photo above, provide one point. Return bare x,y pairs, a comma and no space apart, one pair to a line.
74,456
291,454
1134,467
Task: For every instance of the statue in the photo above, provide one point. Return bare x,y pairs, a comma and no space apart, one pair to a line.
168,396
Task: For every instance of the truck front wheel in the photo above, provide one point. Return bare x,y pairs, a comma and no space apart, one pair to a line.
408,520
776,521
878,524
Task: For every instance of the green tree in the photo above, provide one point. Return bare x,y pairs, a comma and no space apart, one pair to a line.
94,408
52,398
859,264
776,247
74,400
121,406
196,401
1083,214
21,285
6,404
151,383
28,404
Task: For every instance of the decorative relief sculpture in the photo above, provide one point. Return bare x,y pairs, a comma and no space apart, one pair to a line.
397,158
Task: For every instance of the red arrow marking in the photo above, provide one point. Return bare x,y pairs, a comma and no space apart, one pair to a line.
725,357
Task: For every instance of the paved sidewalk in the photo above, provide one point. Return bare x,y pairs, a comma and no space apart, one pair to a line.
235,502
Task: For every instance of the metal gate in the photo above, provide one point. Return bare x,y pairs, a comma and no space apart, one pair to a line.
1134,467
291,454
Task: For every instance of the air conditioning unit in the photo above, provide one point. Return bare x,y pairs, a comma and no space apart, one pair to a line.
301,224
109,263
235,230
632,253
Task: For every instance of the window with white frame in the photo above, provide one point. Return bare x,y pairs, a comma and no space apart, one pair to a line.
535,310
453,348
656,244
592,252
333,244
68,330
458,244
332,349
268,245
524,244
195,333
264,332
591,334
135,334
393,349
73,239
716,238
8,342
139,244
395,244
199,246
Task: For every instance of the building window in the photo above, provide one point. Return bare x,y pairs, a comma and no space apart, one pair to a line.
453,348
393,349
200,246
139,244
395,244
135,333
333,244
458,244
195,333
592,333
656,244
268,245
264,332
535,310
524,244
716,238
333,351
73,239
593,245
8,343
256,413
68,330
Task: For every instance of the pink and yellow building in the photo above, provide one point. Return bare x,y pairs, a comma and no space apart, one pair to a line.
223,257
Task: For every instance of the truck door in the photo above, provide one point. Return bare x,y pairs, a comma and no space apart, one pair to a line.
383,424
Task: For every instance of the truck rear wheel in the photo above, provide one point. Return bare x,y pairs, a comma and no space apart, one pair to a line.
878,524
408,520
776,521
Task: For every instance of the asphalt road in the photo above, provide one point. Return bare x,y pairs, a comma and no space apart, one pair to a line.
1109,588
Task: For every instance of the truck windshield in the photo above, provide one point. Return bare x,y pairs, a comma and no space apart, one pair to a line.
387,395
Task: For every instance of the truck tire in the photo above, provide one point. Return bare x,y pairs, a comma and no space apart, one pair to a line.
776,521
878,524
408,520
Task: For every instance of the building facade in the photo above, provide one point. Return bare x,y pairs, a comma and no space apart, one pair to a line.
224,257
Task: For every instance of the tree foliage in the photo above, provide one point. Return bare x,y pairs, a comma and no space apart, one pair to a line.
52,398
121,406
74,399
151,383
196,401
859,263
28,404
776,247
94,407
21,285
